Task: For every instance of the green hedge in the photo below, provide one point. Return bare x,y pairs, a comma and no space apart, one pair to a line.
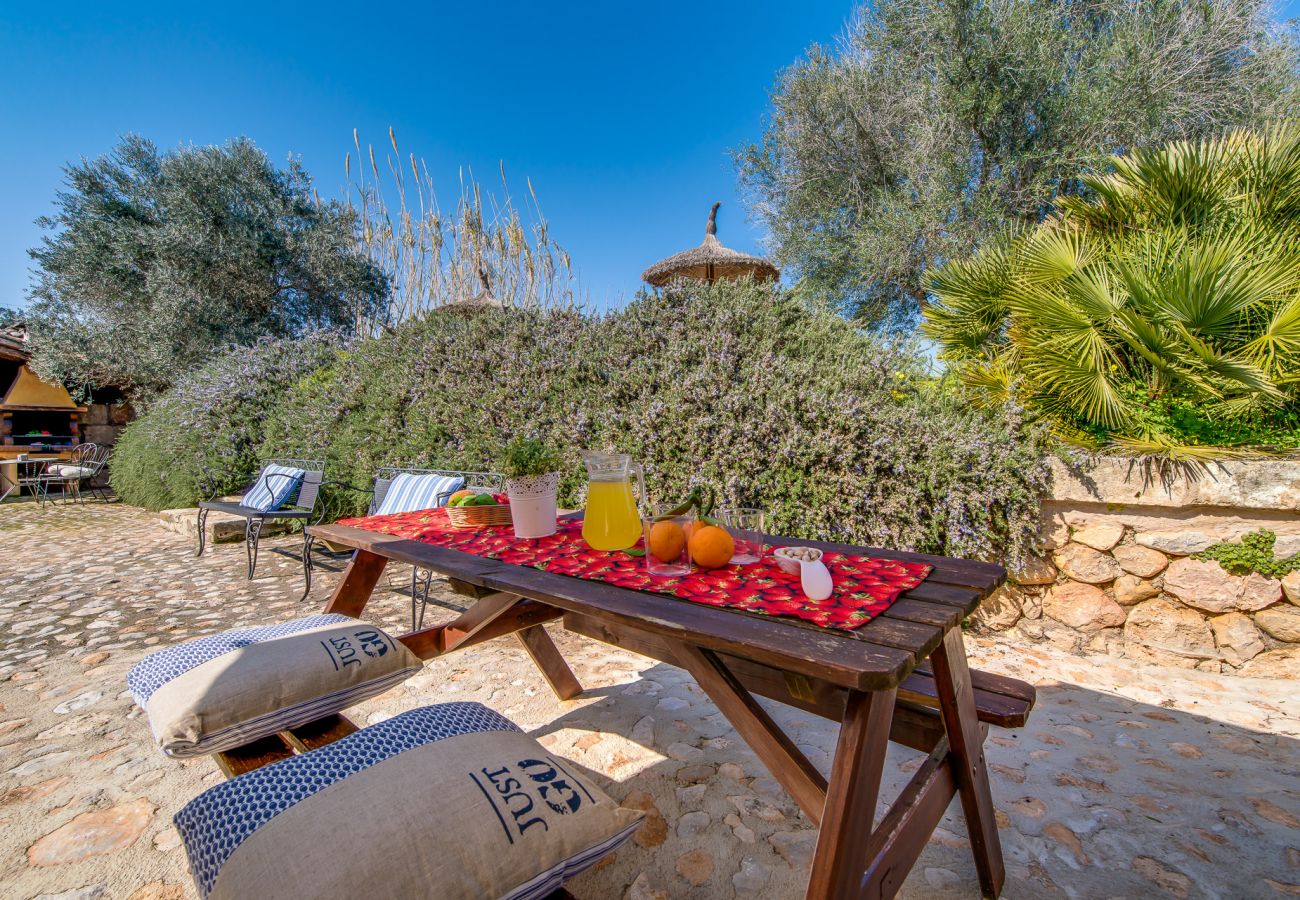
206,433
836,434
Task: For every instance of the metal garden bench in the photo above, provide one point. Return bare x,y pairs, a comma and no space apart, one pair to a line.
421,579
301,504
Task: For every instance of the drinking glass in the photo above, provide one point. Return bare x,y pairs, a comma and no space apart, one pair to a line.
746,528
666,533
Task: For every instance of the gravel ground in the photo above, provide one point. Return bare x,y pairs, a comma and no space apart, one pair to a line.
1129,781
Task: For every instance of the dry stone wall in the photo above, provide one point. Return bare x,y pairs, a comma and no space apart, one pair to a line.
1116,573
102,425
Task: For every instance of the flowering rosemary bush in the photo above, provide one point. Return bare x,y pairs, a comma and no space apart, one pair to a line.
835,433
205,434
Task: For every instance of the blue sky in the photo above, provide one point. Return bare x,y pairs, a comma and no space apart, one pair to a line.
621,114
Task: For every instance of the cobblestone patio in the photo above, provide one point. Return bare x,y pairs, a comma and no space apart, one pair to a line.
1130,780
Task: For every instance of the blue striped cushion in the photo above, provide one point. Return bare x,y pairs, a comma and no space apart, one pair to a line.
219,692
410,492
163,665
324,824
269,494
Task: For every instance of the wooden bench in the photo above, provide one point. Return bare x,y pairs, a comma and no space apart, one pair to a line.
999,700
283,745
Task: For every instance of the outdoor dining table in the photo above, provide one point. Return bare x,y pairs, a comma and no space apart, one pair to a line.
903,677
17,474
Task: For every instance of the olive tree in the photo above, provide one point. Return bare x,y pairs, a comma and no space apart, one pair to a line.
153,260
933,124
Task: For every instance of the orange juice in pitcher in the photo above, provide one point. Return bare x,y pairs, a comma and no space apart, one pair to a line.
611,520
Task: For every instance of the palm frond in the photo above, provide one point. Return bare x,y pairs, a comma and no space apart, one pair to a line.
1170,294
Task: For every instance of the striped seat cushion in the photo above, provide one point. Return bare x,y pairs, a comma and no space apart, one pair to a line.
275,485
410,492
222,691
448,801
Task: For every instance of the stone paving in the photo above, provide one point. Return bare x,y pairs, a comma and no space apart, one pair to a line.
1129,781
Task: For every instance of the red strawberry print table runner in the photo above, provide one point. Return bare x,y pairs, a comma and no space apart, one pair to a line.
864,586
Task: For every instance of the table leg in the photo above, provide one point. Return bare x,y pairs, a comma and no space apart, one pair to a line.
546,656
495,615
957,705
841,857
773,746
358,583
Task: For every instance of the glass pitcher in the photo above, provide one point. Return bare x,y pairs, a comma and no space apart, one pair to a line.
612,521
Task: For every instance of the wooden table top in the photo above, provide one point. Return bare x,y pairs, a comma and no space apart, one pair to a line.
876,656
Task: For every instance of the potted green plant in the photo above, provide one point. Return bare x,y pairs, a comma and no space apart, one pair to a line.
532,471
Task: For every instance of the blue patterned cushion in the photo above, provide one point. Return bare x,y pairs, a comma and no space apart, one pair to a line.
163,665
410,492
223,691
274,486
217,821
488,813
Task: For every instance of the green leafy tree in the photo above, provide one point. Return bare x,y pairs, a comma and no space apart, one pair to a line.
933,123
155,259
1160,316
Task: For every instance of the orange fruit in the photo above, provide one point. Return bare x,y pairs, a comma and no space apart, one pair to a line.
711,547
456,496
667,541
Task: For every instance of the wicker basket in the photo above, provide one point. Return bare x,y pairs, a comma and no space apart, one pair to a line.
479,516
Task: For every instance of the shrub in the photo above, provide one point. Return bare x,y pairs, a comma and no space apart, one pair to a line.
837,434
1253,553
205,434
1161,316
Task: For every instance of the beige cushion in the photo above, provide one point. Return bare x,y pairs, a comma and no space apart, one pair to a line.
448,801
67,470
219,692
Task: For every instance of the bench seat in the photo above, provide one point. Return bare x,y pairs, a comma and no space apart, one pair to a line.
283,745
999,700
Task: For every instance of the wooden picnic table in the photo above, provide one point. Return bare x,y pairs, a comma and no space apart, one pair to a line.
902,677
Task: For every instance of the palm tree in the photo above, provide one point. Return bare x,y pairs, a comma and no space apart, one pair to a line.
1158,315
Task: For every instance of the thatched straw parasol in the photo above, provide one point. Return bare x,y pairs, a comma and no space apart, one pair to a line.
710,261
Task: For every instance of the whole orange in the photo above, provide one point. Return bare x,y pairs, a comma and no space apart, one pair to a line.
666,540
456,496
693,526
711,547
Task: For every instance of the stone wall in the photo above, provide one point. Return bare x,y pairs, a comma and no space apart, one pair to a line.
1116,574
102,423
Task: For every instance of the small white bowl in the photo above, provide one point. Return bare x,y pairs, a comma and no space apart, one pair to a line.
789,563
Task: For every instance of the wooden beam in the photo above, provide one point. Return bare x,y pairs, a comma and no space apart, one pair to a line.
851,799
905,830
359,580
473,620
546,656
773,746
957,706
